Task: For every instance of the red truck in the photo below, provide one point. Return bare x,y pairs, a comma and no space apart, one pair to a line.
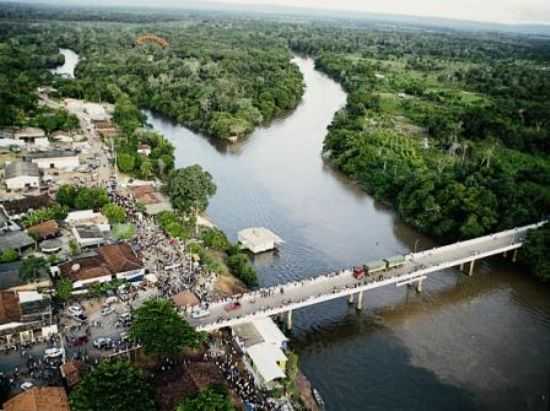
359,272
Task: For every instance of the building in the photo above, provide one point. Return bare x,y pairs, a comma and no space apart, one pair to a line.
144,149
25,316
9,279
62,137
105,128
258,239
66,160
88,235
88,217
44,231
110,261
15,240
153,201
18,208
21,175
32,136
263,343
39,399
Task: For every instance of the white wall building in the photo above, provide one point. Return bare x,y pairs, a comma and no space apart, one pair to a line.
21,175
61,160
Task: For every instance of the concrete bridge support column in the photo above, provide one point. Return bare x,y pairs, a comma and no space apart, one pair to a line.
350,299
515,255
419,286
462,267
289,320
359,305
471,270
505,254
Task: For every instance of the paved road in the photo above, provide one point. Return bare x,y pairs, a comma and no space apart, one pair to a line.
290,296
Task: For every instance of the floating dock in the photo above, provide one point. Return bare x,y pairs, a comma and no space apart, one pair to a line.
258,239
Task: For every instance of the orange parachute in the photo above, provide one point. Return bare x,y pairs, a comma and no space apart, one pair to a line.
152,39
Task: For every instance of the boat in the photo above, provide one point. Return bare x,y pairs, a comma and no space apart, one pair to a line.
318,399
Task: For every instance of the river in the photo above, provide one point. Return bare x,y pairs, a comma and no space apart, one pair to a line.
67,68
463,344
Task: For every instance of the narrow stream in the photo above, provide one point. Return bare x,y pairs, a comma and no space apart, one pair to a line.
463,344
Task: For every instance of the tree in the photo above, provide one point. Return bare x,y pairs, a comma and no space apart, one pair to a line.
114,213
33,268
241,267
91,198
161,330
66,195
126,162
215,238
536,252
123,231
189,189
214,398
8,255
63,289
146,169
74,248
114,386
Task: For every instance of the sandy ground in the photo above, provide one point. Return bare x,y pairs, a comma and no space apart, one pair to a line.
227,285
305,392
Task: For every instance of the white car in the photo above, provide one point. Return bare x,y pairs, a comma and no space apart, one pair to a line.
27,385
53,352
200,313
75,310
106,311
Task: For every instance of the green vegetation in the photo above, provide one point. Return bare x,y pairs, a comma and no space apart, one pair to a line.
123,231
214,398
82,198
53,212
32,268
176,225
8,256
536,252
63,289
114,213
189,189
215,238
242,268
161,330
115,386
431,131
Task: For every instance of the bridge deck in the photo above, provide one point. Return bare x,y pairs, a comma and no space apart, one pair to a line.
270,301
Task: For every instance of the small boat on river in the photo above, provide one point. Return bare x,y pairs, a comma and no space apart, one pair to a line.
318,399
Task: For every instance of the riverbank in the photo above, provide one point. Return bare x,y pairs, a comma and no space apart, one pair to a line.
276,178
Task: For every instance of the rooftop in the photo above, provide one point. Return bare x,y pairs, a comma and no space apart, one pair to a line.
88,231
50,154
10,309
15,240
85,268
44,230
120,257
21,168
265,357
26,204
39,399
32,132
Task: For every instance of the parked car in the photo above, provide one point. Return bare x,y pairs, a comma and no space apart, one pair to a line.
102,343
53,352
79,317
75,310
200,313
27,385
106,311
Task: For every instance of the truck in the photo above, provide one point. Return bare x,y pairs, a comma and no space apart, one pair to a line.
359,272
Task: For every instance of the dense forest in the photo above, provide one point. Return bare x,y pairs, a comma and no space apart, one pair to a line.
450,127
453,130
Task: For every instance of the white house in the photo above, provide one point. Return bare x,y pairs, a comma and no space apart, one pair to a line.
21,174
88,217
88,235
58,159
32,136
258,239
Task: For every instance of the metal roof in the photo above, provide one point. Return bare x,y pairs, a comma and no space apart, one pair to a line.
15,240
21,168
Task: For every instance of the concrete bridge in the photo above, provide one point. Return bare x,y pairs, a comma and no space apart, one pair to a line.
285,298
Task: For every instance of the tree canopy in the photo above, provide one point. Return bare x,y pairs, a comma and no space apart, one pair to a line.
115,386
161,330
536,252
214,398
190,188
32,268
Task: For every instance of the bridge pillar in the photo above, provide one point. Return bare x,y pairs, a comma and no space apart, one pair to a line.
471,270
515,255
419,286
350,299
289,320
359,305
462,267
505,254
